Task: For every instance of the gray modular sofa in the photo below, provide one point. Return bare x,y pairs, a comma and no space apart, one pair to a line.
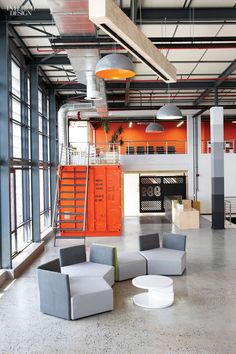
130,265
101,262
72,297
170,259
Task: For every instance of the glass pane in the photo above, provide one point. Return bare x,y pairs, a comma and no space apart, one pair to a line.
16,110
40,147
41,190
19,202
16,138
40,101
15,72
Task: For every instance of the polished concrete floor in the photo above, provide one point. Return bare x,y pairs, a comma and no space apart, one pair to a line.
202,319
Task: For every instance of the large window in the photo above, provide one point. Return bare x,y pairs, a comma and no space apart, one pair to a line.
44,157
21,216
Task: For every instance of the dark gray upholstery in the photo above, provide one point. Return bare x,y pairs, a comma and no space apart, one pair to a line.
174,241
102,254
54,290
72,255
148,242
53,266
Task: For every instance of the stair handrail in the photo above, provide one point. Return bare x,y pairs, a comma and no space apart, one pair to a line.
54,216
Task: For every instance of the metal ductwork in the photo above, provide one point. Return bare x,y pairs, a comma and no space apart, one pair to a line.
71,19
92,92
121,114
63,121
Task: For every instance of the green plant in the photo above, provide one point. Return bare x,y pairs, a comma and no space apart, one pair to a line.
116,138
106,128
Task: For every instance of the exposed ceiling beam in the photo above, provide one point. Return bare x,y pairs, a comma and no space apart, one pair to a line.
55,60
228,71
102,46
153,85
107,39
149,15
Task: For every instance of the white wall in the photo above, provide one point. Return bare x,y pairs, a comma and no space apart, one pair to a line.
131,194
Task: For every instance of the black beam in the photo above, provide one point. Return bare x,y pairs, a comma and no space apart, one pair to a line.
159,46
153,85
53,146
224,75
148,15
107,39
155,15
58,59
5,204
35,154
203,108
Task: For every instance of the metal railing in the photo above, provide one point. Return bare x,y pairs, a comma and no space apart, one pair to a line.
140,147
230,208
229,146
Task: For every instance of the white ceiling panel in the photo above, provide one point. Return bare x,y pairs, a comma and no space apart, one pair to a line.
184,68
37,42
158,30
220,54
200,77
185,54
197,30
227,30
213,3
212,68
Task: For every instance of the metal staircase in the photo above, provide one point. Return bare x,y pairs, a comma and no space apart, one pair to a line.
70,207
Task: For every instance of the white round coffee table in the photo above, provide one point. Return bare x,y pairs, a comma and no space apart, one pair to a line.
160,291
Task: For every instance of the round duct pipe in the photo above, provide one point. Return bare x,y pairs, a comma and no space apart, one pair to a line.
92,92
63,121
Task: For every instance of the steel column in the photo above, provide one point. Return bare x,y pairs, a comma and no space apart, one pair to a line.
5,205
35,154
53,146
217,166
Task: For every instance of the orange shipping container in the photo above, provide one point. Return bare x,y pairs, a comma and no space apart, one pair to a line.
104,213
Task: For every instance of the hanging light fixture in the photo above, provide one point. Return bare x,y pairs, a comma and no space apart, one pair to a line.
114,67
169,111
154,127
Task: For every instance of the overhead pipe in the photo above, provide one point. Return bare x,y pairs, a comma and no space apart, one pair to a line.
63,138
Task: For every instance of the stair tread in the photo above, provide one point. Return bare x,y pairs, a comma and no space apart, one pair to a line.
70,221
71,198
71,206
80,214
69,229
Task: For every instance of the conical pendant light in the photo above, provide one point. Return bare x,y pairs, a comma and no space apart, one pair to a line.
154,127
169,111
114,67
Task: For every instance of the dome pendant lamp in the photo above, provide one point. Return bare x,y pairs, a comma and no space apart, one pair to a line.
114,67
154,128
169,111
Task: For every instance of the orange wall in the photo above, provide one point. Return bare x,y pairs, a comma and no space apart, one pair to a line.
229,131
137,132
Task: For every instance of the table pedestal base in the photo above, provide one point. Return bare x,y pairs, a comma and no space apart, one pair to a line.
155,299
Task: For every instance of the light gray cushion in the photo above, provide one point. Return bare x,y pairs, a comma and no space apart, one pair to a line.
164,261
89,295
72,255
102,254
90,269
130,265
174,241
147,242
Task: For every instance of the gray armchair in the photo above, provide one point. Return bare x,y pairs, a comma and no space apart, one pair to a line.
72,297
170,259
101,262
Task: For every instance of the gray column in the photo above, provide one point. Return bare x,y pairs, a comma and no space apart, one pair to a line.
217,166
35,153
53,145
5,206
